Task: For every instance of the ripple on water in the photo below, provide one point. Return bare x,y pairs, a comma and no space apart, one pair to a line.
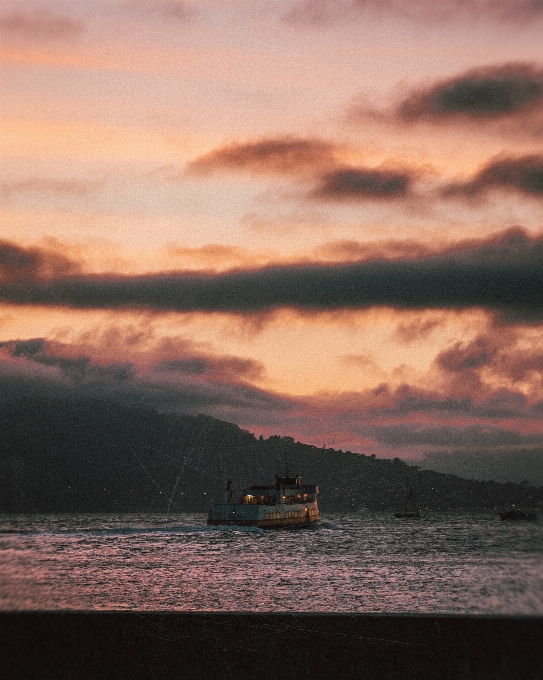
349,563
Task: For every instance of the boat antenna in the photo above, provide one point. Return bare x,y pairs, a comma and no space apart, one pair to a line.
286,464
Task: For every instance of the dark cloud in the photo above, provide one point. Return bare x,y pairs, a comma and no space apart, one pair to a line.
347,250
283,155
188,360
26,348
317,12
18,263
484,93
503,274
471,437
467,356
231,367
309,159
405,401
190,366
350,183
520,365
51,186
410,420
75,370
393,420
501,466
40,24
37,367
167,9
417,329
503,357
524,174
323,12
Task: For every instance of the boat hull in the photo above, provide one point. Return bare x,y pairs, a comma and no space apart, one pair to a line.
285,523
281,516
517,516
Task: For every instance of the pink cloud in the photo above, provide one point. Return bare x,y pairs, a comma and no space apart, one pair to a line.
40,24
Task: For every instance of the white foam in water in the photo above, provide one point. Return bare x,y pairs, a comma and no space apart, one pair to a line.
324,524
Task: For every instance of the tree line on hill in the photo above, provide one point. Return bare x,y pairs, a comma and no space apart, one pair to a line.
96,456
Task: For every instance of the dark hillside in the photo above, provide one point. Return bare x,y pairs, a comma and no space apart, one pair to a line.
95,456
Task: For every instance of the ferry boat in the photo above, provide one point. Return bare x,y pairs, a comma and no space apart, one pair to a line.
288,504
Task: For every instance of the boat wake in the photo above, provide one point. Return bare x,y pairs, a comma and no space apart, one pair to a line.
125,531
325,524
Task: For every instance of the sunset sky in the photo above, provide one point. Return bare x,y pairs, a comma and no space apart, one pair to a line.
313,218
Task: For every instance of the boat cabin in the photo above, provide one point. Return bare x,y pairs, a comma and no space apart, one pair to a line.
286,491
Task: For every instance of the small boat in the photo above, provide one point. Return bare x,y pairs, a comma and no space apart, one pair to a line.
410,507
516,514
286,504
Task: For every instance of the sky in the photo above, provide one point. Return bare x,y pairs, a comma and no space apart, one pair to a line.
314,218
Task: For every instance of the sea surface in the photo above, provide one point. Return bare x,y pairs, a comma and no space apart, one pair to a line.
368,562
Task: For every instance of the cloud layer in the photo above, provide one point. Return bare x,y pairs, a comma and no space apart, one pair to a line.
490,92
503,274
18,263
39,24
524,175
402,420
282,154
314,160
357,183
322,12
192,383
319,162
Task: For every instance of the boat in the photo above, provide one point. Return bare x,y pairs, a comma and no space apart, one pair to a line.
410,507
287,504
516,514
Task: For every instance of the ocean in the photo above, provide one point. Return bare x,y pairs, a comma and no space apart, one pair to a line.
353,563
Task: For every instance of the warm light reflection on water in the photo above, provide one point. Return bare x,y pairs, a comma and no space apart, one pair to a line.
471,564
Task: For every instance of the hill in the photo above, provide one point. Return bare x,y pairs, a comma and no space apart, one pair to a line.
96,456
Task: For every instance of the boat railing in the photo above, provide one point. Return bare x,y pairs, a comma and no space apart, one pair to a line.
298,498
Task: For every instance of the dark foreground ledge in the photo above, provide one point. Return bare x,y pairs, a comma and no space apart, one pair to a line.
166,645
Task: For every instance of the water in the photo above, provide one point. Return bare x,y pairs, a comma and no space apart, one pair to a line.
465,564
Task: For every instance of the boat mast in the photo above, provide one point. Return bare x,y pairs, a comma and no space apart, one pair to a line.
410,503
